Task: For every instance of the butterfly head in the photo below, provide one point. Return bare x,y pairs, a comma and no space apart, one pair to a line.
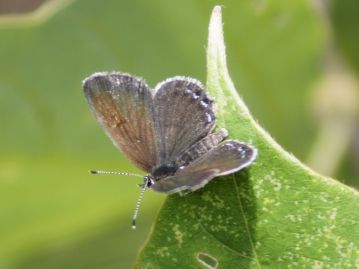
148,181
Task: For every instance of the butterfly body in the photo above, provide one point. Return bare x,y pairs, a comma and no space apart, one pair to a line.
166,132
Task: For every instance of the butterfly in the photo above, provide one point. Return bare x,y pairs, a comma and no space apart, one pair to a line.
167,132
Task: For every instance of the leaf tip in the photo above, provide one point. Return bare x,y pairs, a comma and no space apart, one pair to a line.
215,47
217,10
215,24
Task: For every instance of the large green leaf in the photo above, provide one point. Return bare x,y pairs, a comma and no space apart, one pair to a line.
276,214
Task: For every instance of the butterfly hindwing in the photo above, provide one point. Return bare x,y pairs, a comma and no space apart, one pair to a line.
228,157
123,105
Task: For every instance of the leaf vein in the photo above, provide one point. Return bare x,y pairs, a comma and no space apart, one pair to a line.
245,222
223,243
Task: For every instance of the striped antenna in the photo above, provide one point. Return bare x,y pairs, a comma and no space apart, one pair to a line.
143,186
115,173
139,201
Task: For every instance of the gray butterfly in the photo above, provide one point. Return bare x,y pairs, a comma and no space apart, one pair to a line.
166,132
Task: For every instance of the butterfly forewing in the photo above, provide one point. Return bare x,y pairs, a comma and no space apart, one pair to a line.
183,115
123,105
228,157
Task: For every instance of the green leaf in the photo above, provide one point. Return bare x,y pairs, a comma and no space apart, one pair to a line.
276,214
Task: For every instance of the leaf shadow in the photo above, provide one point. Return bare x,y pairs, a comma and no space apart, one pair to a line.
237,192
226,214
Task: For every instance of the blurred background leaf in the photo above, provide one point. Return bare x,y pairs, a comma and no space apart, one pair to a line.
55,215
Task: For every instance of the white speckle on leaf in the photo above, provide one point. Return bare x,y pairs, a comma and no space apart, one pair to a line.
178,235
318,265
162,251
333,214
277,186
214,199
290,217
